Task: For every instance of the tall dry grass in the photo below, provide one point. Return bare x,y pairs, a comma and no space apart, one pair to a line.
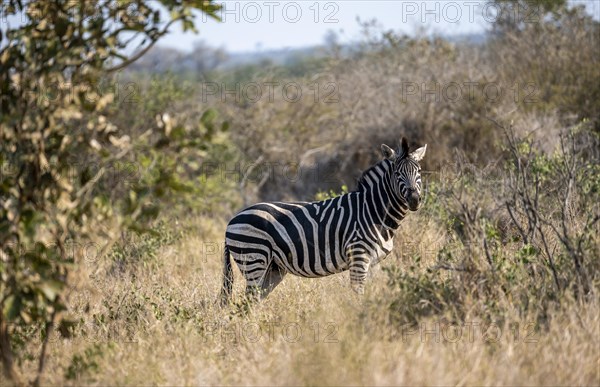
158,324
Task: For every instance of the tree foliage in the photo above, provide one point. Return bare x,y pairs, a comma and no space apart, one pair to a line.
516,15
58,145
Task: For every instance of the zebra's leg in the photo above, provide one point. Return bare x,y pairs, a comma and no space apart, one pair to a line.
254,268
273,277
359,268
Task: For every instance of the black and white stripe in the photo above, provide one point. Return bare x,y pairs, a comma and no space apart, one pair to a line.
316,239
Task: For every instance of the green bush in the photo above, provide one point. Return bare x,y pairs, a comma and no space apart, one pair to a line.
58,140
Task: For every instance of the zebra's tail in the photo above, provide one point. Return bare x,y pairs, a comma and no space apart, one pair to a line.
227,277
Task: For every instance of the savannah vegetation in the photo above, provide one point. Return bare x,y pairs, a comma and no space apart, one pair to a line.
116,184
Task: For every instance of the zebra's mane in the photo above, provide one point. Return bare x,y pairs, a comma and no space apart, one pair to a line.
362,180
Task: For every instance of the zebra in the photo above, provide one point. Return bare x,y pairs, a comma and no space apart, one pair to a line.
315,239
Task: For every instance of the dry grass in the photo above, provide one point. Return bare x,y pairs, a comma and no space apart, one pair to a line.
161,326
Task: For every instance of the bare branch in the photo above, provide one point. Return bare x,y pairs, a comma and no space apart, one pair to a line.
141,53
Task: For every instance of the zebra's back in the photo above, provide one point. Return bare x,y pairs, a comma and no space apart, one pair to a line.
303,238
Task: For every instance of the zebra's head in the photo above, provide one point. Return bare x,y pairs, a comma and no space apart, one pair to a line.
406,174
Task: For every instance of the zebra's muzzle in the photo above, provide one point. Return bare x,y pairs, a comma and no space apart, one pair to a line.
413,200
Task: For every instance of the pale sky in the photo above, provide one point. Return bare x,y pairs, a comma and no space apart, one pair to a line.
278,24
263,25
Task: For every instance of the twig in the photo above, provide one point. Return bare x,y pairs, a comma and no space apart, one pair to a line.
443,266
141,53
42,361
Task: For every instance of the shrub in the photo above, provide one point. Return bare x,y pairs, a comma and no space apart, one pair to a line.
55,126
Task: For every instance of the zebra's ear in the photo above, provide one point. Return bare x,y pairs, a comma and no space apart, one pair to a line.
404,148
388,152
418,154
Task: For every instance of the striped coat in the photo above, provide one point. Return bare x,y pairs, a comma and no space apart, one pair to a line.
316,239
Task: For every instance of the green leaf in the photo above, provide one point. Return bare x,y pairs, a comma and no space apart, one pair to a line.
151,212
51,289
12,306
208,116
177,133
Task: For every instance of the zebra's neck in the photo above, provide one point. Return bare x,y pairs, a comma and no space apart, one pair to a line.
381,202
